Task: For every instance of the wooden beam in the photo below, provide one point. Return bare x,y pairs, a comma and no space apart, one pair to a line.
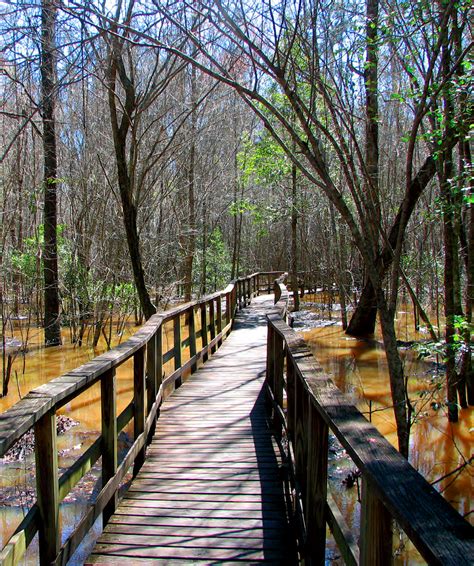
375,529
139,388
47,488
316,485
177,345
109,437
192,336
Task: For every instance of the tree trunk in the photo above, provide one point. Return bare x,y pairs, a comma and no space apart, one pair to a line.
339,271
204,250
129,210
467,368
363,320
190,246
372,119
401,405
451,264
52,328
294,236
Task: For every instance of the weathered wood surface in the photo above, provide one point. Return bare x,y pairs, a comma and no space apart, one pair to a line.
211,488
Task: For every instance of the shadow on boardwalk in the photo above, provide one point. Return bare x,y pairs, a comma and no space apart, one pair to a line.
211,489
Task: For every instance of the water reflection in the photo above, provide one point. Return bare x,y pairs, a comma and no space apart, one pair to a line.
437,447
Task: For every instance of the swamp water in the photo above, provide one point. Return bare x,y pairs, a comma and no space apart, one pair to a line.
38,366
359,369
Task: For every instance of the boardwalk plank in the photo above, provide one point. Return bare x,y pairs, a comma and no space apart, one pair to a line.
210,490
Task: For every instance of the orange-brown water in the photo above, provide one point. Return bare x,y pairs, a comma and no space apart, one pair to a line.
38,366
358,368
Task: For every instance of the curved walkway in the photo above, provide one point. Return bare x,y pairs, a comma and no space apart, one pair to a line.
211,488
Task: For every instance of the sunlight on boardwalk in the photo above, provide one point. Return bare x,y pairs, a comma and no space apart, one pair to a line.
210,490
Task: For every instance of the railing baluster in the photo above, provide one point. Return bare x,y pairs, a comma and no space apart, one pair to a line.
375,529
219,318
212,323
270,358
177,346
159,357
290,397
316,485
47,487
228,307
205,342
301,443
108,386
278,380
192,336
139,403
151,372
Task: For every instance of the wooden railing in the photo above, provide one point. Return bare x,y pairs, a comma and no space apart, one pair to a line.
306,406
209,319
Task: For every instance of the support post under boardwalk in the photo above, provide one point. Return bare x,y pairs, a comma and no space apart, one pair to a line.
375,529
139,387
47,487
108,386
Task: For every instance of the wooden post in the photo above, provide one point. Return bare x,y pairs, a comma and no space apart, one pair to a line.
375,529
278,380
316,486
151,372
108,386
139,403
177,346
290,397
47,487
192,337
270,358
205,342
258,283
301,443
212,323
228,308
219,318
159,357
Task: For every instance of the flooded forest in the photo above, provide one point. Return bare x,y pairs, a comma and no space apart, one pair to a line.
153,151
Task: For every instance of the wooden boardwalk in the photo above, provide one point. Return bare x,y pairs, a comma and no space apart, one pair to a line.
211,489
